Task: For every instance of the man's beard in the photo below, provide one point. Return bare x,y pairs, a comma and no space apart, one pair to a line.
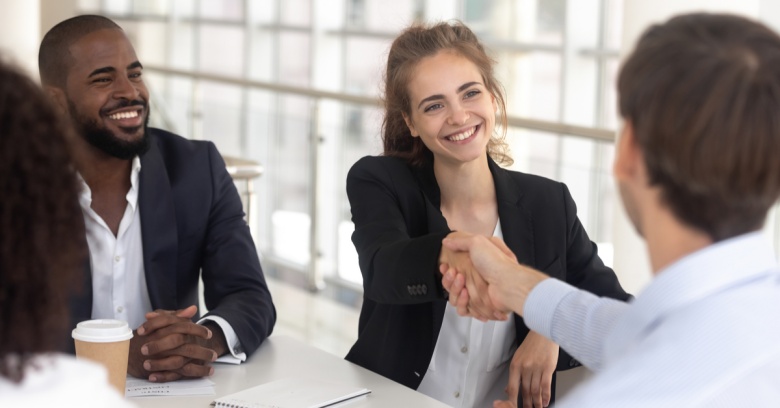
105,140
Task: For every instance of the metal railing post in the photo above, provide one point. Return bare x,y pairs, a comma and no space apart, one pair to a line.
316,277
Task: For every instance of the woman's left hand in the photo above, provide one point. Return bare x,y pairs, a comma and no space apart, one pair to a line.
531,370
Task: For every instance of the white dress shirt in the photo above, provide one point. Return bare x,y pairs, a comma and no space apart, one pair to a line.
57,380
470,364
118,280
704,333
119,288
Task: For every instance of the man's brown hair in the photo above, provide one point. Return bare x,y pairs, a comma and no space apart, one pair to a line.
54,57
702,93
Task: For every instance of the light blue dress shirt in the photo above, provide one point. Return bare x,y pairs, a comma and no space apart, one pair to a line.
704,333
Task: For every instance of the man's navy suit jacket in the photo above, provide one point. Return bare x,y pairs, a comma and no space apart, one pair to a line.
192,221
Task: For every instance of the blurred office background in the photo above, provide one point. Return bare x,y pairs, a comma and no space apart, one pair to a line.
294,86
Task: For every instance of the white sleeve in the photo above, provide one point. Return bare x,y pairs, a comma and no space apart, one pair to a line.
237,355
575,319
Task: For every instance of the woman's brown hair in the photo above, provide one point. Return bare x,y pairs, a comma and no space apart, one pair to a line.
414,44
42,244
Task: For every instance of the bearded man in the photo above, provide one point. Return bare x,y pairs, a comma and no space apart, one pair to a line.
160,212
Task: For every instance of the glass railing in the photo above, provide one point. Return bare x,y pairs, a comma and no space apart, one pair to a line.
306,141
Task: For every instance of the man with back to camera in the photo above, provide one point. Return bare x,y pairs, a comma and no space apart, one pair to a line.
158,209
697,169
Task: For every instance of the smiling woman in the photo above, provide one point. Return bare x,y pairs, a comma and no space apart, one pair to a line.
454,122
458,43
439,177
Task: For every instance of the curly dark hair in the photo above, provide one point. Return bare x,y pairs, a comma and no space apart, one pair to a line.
42,244
412,45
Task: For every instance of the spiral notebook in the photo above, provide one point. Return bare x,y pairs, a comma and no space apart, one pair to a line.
291,393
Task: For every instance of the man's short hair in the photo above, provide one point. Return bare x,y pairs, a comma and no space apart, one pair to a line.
702,92
54,57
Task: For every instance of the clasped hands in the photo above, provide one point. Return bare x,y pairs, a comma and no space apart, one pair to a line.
485,281
483,277
468,289
169,346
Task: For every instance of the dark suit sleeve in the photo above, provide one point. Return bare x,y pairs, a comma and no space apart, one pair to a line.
398,257
233,281
584,268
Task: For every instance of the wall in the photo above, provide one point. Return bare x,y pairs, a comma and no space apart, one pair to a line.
19,38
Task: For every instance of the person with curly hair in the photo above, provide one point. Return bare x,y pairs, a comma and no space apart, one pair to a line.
440,176
41,263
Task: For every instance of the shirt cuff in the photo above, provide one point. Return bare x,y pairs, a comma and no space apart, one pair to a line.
541,304
237,355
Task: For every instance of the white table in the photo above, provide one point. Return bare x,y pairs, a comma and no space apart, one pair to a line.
283,356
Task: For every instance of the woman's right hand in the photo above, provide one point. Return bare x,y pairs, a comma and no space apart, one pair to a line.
460,293
468,290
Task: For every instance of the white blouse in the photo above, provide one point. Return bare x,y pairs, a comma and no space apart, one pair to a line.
59,380
470,364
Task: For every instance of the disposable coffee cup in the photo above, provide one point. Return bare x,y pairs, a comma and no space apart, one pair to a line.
107,342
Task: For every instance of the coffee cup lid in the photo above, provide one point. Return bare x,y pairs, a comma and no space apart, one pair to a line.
102,331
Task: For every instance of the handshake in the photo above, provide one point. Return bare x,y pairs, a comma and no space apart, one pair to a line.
485,281
483,277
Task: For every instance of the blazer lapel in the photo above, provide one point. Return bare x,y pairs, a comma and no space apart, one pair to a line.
81,301
430,189
158,229
516,224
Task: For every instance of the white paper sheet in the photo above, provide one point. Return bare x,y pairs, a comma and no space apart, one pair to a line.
299,392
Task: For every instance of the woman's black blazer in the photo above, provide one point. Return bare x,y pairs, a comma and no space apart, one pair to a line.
398,234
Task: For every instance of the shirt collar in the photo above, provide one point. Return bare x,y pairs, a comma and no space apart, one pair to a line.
712,268
132,194
85,197
694,277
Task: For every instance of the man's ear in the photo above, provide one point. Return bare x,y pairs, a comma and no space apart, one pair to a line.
58,97
410,125
628,155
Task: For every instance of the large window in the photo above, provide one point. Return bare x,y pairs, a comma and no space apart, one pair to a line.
208,61
294,85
